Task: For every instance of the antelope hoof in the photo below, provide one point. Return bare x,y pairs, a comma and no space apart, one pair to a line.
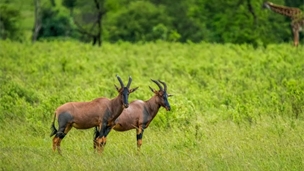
95,144
100,148
54,147
59,150
99,144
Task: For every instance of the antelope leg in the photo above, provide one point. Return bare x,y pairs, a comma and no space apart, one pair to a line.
139,135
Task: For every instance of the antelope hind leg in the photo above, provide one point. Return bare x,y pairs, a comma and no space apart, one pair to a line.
55,141
58,146
139,135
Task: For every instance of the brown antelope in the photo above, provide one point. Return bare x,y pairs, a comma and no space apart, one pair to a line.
100,112
140,113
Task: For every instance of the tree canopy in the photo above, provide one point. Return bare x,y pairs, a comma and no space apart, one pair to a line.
221,21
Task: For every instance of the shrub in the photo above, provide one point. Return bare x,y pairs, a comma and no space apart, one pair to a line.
141,21
9,23
56,24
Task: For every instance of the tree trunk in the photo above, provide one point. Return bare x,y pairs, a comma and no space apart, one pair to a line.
101,12
37,24
251,11
97,35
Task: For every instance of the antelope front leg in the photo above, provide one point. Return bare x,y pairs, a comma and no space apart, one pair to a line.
96,134
100,139
104,137
139,134
56,142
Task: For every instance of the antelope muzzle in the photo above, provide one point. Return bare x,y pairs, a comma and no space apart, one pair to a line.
125,105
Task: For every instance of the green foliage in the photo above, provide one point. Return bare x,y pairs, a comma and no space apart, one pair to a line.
219,82
10,18
14,99
56,24
232,21
70,4
140,21
272,145
234,106
295,95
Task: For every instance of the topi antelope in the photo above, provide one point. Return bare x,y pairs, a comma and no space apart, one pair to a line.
101,113
140,113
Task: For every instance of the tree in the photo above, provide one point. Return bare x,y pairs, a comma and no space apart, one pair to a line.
140,21
37,22
10,18
55,24
89,18
70,4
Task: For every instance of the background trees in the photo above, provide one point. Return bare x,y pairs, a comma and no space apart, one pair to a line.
222,21
10,22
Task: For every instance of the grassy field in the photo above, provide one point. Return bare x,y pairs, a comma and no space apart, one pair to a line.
234,107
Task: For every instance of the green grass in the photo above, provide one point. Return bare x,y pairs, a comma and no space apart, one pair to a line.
271,145
234,107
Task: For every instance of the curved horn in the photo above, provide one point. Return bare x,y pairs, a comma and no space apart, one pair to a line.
129,83
119,79
151,89
160,87
164,84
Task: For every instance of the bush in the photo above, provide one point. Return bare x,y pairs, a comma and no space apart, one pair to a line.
9,23
56,24
141,21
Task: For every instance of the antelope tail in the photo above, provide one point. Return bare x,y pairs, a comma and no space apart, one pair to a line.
137,128
53,129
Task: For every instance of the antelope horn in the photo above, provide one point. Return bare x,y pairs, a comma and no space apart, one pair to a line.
151,89
121,83
164,84
160,87
129,83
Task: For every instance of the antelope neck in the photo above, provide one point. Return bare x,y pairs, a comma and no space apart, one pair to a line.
116,106
152,106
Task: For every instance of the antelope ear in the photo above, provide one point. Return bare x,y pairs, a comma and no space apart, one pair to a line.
116,87
133,89
169,95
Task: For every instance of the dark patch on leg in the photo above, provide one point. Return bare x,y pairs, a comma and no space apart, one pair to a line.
63,119
64,122
96,133
102,130
106,116
61,135
95,136
53,129
145,118
107,130
139,136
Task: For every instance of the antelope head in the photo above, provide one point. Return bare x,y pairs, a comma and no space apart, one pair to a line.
125,91
162,94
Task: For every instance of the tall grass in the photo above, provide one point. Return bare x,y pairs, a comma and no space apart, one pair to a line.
234,107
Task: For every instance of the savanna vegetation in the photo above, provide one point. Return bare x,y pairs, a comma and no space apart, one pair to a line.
95,21
237,82
235,107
